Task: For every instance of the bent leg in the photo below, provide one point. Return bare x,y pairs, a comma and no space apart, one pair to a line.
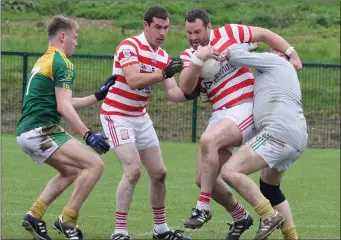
223,134
270,186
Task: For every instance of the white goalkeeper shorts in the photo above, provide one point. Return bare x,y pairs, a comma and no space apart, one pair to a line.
241,115
276,153
122,130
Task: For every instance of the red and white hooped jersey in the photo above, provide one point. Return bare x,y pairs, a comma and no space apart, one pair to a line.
121,99
231,84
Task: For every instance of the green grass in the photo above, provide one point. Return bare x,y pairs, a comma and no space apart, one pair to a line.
312,27
312,186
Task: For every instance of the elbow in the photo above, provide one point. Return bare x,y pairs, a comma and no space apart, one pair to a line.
60,109
132,84
186,89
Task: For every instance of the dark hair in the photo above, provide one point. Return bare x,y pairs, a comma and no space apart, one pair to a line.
60,23
194,14
155,11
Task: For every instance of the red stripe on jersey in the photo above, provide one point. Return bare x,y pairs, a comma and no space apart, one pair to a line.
127,42
250,33
229,31
234,88
241,33
141,46
240,72
226,45
119,113
152,62
121,79
217,36
129,63
128,95
123,106
235,100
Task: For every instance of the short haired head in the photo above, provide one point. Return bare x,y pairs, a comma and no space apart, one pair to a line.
198,28
195,14
156,26
60,23
155,12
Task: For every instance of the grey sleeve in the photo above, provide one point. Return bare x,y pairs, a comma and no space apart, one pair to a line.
239,57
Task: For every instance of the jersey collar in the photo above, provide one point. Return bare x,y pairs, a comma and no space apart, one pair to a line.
143,39
57,50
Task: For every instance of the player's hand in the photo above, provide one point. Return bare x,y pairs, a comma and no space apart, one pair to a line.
207,52
295,61
102,93
97,141
174,66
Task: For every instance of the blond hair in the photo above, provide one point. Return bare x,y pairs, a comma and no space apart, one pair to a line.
59,23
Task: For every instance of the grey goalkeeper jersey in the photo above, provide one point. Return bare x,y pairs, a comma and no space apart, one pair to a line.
277,96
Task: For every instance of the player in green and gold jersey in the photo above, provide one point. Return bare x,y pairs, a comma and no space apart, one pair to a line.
47,98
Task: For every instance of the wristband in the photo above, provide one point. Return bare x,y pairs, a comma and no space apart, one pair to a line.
197,60
86,135
289,51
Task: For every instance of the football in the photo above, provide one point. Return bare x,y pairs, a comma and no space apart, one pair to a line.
210,68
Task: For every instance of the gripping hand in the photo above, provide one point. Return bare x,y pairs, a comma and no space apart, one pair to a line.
102,93
97,141
173,67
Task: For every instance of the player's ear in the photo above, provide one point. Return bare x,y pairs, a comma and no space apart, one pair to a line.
145,25
62,36
209,27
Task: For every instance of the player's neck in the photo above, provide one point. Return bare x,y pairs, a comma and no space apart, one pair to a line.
57,46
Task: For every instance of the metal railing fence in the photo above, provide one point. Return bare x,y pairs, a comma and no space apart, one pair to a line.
174,121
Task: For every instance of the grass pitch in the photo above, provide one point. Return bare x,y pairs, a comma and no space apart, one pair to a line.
312,186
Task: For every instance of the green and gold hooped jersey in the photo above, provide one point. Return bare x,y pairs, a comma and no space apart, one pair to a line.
51,70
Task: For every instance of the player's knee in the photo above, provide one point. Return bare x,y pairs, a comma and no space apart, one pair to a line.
133,173
272,192
227,174
207,142
98,166
160,175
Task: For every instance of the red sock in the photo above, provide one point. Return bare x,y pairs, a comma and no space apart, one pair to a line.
204,201
121,222
159,214
237,212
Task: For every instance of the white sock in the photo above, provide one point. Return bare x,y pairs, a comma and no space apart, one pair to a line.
161,228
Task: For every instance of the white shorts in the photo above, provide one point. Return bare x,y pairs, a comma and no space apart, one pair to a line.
274,152
121,130
242,115
40,143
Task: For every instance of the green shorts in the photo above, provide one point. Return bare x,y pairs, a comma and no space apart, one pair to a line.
40,143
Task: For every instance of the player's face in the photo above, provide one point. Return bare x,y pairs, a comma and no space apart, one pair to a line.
156,32
197,33
70,42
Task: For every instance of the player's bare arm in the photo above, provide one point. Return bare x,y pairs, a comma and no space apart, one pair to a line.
275,41
80,103
84,102
137,80
68,112
189,76
174,93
